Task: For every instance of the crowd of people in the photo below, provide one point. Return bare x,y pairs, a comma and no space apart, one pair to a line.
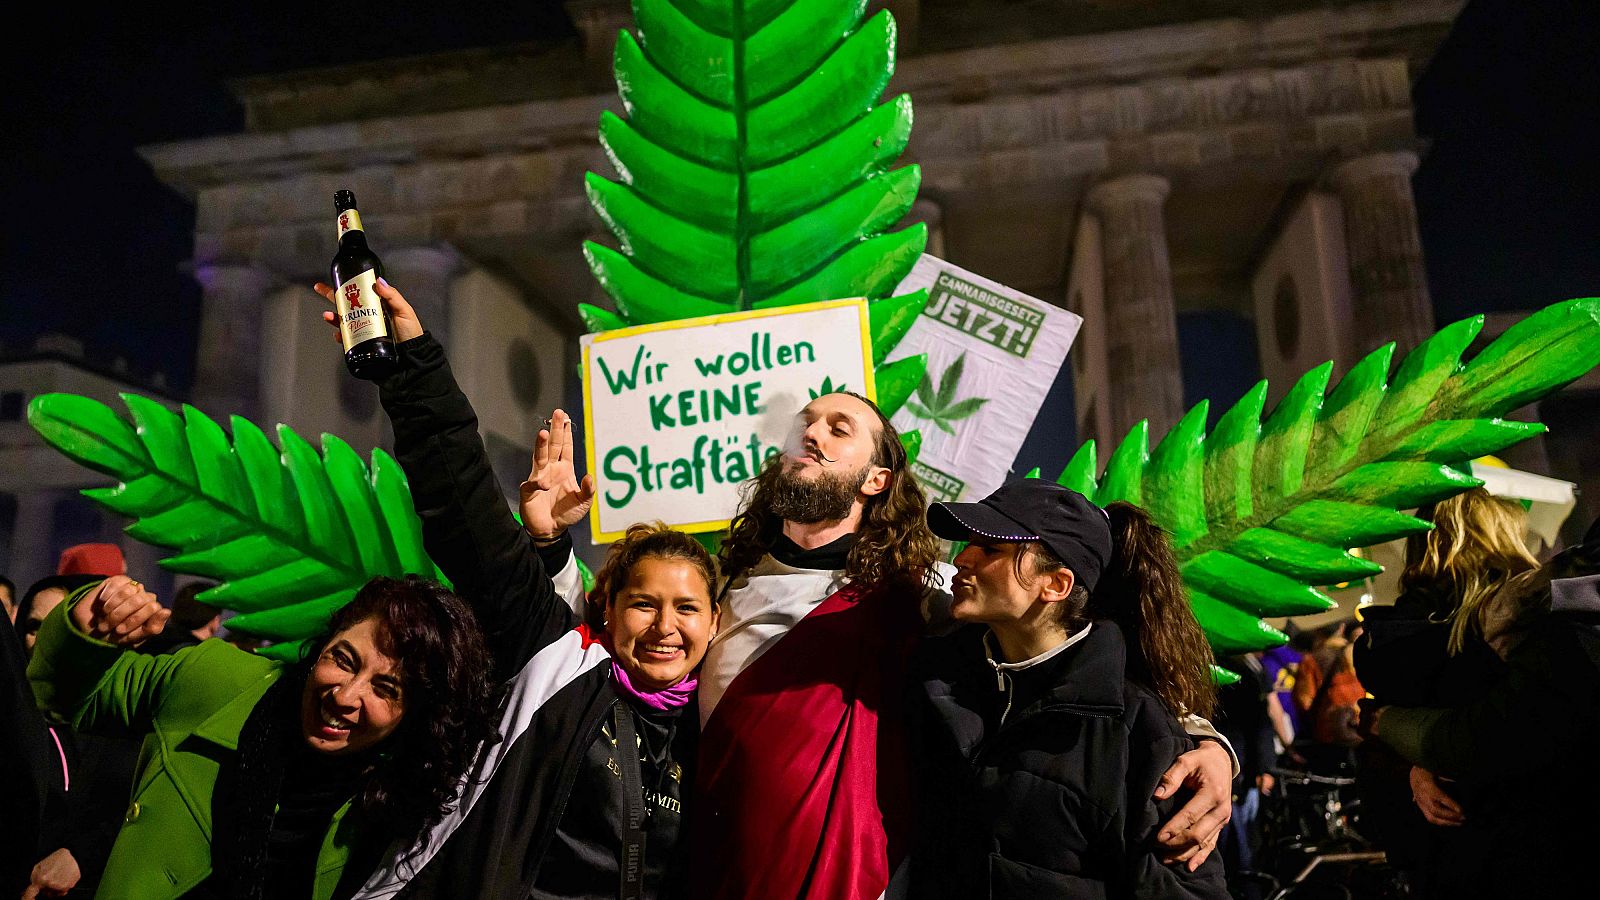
823,709
1460,713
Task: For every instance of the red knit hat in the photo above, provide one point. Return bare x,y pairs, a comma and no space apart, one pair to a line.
92,559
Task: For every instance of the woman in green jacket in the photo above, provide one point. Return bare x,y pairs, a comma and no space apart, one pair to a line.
260,779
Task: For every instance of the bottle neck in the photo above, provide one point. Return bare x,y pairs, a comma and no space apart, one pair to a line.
349,222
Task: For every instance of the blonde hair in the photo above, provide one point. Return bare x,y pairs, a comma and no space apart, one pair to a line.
1475,546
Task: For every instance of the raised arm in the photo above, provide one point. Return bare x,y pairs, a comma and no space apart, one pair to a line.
552,500
81,669
466,525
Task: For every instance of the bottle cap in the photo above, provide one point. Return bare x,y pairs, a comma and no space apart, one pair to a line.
343,200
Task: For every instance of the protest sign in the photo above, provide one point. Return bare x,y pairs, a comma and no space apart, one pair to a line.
679,414
993,353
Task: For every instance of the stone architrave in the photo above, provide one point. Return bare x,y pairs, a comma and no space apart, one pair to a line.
424,275
1141,327
228,365
1388,282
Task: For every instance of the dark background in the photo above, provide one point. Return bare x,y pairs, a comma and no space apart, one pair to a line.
94,246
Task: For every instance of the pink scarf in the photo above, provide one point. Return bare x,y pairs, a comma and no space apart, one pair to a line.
668,698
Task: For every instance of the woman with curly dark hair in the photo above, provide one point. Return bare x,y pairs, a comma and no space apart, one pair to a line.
265,779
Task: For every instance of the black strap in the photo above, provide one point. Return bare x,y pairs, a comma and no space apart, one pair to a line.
631,863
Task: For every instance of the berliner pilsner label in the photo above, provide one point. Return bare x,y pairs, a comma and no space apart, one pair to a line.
360,309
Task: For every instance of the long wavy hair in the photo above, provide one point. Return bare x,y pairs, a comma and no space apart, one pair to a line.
1142,591
414,776
642,541
451,700
1475,547
893,545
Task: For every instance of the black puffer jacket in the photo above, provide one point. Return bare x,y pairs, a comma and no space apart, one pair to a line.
540,816
1052,797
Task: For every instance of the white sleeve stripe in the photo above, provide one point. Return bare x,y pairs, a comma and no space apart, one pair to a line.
569,584
550,670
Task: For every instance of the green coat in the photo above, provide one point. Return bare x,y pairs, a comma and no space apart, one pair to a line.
190,706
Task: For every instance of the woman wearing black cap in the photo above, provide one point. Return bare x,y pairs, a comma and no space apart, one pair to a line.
1046,722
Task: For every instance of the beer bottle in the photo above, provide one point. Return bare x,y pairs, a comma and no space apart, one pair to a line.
364,325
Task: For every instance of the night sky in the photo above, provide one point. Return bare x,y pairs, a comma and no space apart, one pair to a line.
94,245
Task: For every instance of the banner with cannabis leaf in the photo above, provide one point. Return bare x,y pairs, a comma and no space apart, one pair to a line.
1263,511
754,169
290,533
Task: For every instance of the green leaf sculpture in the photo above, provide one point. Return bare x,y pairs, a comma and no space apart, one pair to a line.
289,533
754,169
1262,511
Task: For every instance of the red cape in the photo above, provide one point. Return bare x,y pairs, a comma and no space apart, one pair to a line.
804,788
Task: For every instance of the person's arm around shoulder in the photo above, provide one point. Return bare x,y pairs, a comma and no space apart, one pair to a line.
81,669
1206,769
1157,750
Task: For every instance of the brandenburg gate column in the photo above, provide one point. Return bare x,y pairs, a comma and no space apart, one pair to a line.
1388,284
1141,327
227,368
424,275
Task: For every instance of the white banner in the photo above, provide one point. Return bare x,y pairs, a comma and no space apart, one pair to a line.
679,414
993,353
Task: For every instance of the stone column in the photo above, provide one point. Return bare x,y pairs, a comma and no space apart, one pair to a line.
1388,283
227,370
930,212
1141,326
424,274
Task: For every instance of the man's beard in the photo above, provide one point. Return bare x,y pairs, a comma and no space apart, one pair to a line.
807,501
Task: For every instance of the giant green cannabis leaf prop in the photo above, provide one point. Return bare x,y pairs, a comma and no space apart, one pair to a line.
1262,511
291,535
754,169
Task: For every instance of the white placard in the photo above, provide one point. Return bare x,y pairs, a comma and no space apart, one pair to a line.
679,414
993,353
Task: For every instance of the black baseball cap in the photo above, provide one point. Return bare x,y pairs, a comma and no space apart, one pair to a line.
1075,530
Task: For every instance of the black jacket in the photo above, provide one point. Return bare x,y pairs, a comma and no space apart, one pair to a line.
1402,658
558,675
1530,741
1051,798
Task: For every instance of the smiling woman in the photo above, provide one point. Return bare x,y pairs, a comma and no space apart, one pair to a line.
587,795
305,772
653,597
